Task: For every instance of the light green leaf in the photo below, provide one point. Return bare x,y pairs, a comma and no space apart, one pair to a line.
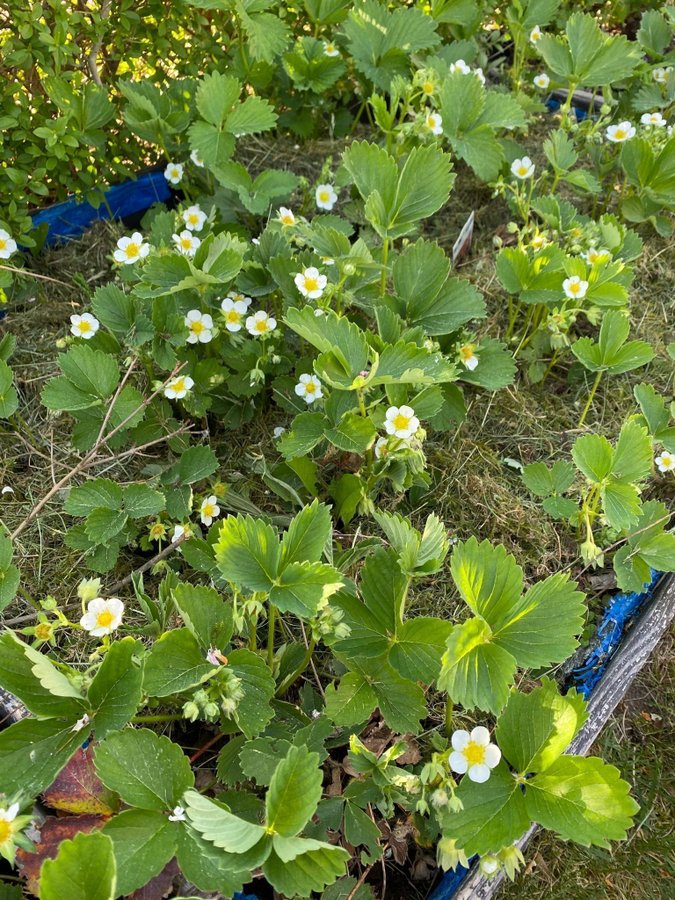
99,493
307,535
206,614
216,96
418,646
248,552
29,675
141,501
9,399
593,456
296,866
488,578
294,792
146,769
208,867
582,799
84,869
220,827
33,753
351,702
302,587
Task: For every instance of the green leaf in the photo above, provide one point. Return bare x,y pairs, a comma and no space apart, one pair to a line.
296,866
84,869
546,482
334,336
9,399
593,456
406,363
302,587
621,504
216,96
418,646
294,792
104,524
206,614
248,552
115,691
141,501
31,677
147,770
307,535
633,453
196,464
33,753
144,841
488,578
496,367
175,663
536,728
494,814
475,671
352,701
255,114
542,627
220,827
208,867
99,493
582,799
354,434
305,433
253,711
90,371
588,56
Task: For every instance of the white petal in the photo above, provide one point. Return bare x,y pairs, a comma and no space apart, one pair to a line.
460,739
480,735
458,762
492,755
479,773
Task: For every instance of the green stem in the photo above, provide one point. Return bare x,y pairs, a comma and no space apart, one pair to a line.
448,717
383,274
163,717
290,680
270,636
590,398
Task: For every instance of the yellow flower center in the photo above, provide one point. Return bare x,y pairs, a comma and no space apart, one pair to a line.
3,243
466,352
311,284
401,422
287,219
474,753
324,196
197,327
330,48
207,509
428,87
522,170
174,173
619,134
84,326
43,631
193,218
666,459
6,831
178,385
310,387
104,619
186,243
131,250
233,316
261,325
575,287
157,531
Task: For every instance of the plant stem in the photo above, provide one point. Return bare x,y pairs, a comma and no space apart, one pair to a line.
270,636
590,398
383,274
448,717
290,680
162,717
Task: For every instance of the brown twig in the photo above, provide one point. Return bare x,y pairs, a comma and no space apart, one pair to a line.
158,557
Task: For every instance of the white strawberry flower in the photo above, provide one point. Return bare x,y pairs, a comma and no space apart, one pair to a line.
194,217
174,173
260,323
594,255
522,168
84,326
617,134
473,754
654,118
102,616
181,531
186,242
575,287
660,74
233,312
536,34
178,387
131,249
325,195
428,87
541,81
177,814
286,216
665,462
468,356
489,865
381,447
209,510
238,297
200,326
329,49
434,122
459,66
196,158
277,431
480,74
7,244
401,421
311,283
309,388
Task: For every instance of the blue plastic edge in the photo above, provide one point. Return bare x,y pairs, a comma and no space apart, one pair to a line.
621,608
72,217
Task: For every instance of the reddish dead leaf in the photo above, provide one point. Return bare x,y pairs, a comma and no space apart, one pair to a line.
160,886
398,838
52,832
78,790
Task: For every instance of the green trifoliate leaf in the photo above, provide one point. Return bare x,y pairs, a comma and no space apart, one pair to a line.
99,493
418,646
147,770
303,587
84,869
613,352
175,663
220,827
475,671
494,814
143,842
535,729
206,614
655,411
297,866
248,552
340,341
648,547
419,554
583,800
307,535
115,692
488,578
294,792
547,482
